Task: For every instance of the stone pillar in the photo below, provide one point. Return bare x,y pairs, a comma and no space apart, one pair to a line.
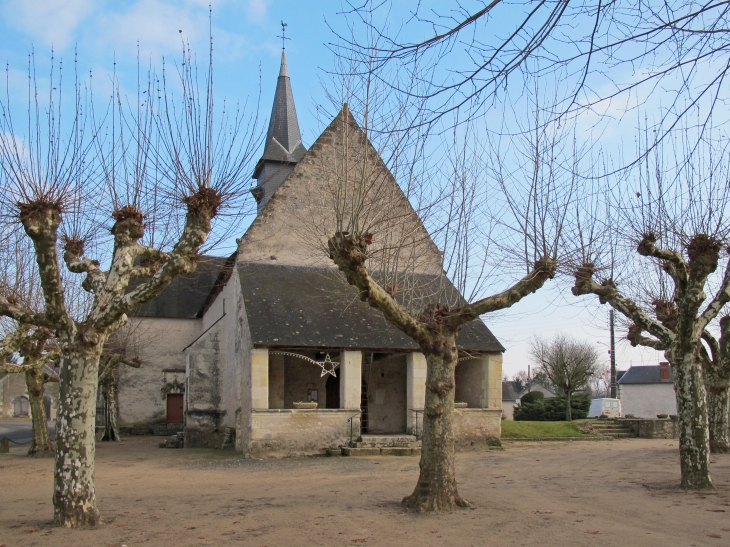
276,381
492,381
416,389
259,378
350,371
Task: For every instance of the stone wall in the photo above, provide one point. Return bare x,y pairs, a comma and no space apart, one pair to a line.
651,429
290,432
472,426
13,386
142,392
508,409
203,412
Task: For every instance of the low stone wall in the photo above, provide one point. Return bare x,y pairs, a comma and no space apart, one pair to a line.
294,432
651,428
472,426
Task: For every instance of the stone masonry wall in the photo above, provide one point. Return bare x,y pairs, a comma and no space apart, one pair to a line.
472,426
652,429
291,432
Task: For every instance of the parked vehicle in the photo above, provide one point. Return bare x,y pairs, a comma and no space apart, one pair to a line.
611,408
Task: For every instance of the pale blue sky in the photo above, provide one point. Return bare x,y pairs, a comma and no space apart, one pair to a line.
246,44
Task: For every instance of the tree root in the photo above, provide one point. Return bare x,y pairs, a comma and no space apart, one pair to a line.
433,502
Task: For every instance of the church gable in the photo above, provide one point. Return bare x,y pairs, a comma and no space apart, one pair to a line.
293,226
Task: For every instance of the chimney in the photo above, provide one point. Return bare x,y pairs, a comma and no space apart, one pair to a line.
664,371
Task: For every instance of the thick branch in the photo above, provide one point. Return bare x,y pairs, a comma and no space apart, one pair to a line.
607,293
348,252
675,264
544,269
95,277
22,315
713,308
636,338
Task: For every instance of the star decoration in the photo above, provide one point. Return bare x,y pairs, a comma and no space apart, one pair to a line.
328,366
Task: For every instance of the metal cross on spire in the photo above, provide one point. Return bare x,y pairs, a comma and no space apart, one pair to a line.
283,35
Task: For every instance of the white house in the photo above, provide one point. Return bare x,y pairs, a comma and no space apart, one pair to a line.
646,391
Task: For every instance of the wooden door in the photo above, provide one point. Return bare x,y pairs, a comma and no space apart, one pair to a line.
175,412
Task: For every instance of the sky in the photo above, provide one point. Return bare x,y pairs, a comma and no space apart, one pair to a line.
108,36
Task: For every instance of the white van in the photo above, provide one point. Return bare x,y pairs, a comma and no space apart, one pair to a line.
610,408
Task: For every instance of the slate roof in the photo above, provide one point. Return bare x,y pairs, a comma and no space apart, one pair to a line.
185,297
645,375
509,391
283,139
292,306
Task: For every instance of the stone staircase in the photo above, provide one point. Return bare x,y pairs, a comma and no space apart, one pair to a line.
611,428
384,445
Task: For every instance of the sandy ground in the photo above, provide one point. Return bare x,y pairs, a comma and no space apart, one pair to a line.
619,493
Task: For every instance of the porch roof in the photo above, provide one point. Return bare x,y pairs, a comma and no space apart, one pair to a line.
296,306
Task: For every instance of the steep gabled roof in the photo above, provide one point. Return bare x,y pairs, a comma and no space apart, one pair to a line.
289,306
509,391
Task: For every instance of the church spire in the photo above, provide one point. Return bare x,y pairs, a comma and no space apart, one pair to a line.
283,147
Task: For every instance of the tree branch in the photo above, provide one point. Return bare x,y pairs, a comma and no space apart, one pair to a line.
349,252
675,265
22,315
637,339
713,308
544,269
607,292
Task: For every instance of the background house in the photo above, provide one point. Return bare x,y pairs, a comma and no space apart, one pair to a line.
646,391
509,399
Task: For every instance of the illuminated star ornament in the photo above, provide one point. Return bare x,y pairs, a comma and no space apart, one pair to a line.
328,366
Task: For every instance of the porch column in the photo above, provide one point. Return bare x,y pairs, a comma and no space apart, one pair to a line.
350,371
416,389
259,378
492,381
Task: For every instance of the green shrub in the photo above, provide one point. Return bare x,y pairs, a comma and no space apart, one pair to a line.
532,397
553,409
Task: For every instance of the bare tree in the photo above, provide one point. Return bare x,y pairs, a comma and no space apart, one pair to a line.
674,215
165,163
570,364
488,221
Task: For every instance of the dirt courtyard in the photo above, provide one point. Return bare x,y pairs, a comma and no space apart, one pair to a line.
619,493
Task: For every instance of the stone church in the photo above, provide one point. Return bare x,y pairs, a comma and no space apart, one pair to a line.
236,353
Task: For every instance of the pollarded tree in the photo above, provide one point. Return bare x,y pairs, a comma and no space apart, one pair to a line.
485,214
166,164
37,347
676,221
569,364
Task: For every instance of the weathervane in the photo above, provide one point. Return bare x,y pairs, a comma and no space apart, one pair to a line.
283,35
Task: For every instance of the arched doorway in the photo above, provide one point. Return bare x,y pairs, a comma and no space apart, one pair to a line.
332,390
21,406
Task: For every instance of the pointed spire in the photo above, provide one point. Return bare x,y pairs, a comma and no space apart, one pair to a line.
283,139
283,147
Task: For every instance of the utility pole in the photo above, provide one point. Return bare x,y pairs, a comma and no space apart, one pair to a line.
613,356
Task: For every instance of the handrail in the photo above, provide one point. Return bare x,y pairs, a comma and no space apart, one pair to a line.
359,412
416,410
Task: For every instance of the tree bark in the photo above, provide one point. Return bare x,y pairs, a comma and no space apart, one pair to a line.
41,446
436,488
74,497
718,406
694,438
568,403
111,429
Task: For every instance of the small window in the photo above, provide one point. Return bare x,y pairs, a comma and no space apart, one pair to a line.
312,395
607,404
614,404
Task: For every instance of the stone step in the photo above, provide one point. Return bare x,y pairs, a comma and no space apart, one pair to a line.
382,451
387,440
370,444
628,435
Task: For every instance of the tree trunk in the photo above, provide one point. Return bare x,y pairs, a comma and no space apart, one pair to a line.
436,487
694,438
568,405
111,429
718,407
74,498
41,446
